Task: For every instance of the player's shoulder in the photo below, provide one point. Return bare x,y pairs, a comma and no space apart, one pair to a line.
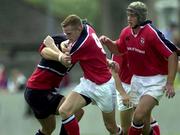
58,38
86,34
126,29
153,31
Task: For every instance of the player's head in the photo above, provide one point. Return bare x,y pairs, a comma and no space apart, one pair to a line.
72,27
138,9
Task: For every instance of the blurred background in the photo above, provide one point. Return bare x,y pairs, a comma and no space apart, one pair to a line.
25,23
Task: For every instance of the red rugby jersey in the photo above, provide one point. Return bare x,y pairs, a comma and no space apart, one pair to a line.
88,51
48,73
42,79
124,73
148,50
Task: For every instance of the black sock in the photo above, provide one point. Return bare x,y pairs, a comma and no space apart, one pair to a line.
137,125
153,122
63,131
39,133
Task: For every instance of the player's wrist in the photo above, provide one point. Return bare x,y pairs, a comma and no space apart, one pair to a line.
60,57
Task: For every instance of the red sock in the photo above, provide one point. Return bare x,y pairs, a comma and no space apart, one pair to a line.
135,130
155,128
71,126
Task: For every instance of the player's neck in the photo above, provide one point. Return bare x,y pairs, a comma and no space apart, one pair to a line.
136,30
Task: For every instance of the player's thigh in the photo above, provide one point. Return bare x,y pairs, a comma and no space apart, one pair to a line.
145,106
126,118
48,123
109,118
73,102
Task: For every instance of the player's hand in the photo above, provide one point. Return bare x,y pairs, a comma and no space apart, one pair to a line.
126,100
104,39
114,66
48,41
65,59
169,90
65,47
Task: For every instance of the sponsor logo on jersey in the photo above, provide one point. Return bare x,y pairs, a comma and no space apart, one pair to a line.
142,41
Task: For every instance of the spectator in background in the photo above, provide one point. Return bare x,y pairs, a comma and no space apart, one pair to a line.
3,77
169,32
17,81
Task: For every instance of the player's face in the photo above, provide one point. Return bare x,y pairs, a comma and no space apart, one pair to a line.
72,33
132,19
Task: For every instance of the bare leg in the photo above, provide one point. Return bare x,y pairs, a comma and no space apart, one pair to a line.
143,110
126,119
73,103
48,125
110,122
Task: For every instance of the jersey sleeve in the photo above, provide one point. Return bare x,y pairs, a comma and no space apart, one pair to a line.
160,43
121,43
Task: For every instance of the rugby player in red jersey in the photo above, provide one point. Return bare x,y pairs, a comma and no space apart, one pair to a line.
153,62
40,93
96,85
127,108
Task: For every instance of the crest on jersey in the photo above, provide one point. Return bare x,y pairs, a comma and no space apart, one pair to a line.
142,41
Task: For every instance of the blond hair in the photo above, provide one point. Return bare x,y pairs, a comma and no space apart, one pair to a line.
140,9
72,20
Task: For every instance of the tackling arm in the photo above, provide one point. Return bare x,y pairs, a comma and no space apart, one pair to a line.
52,52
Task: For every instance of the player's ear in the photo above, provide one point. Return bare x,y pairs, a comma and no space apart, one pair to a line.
80,28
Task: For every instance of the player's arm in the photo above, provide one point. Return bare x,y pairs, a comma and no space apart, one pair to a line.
49,42
51,52
172,69
178,51
65,47
178,67
110,44
120,89
114,70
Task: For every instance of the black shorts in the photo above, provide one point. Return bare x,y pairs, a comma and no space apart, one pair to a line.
43,103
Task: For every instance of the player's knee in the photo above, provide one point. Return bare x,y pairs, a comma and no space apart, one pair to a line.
111,128
138,117
64,113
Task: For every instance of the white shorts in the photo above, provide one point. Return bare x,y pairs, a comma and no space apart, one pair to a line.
147,85
120,106
104,95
